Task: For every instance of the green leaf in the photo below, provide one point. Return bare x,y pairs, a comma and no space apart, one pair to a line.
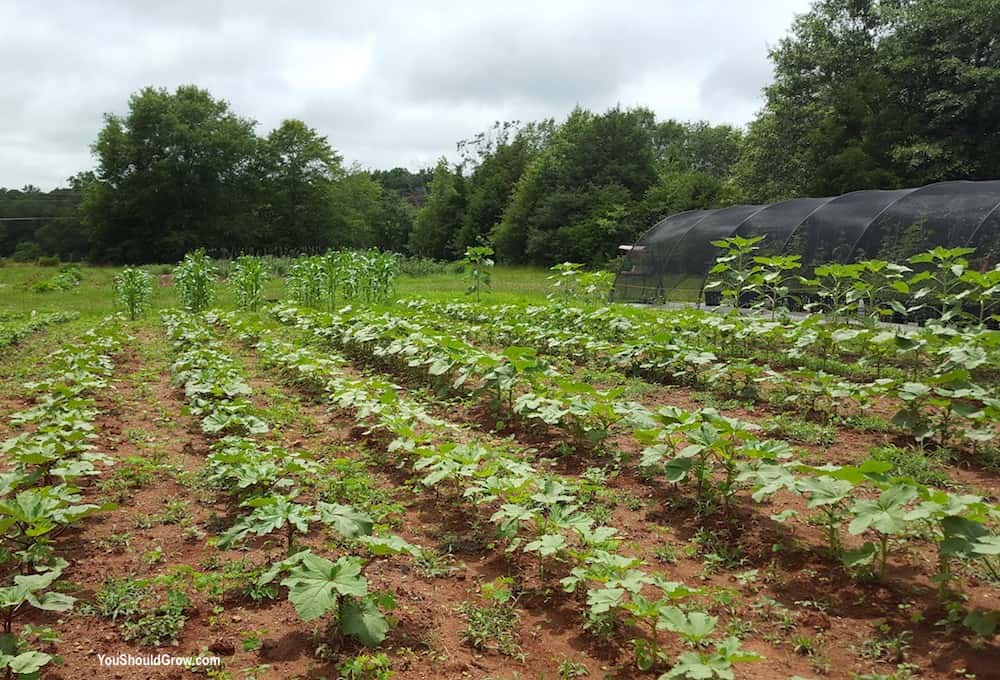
29,662
693,626
363,620
677,469
603,600
390,545
982,622
313,585
547,545
345,519
859,557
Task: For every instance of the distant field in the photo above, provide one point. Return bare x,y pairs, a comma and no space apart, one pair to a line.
92,298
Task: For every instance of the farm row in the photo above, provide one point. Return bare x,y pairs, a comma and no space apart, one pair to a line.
670,537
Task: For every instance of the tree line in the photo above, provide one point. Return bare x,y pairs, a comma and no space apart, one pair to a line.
866,94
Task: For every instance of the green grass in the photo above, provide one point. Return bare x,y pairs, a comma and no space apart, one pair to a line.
510,284
92,298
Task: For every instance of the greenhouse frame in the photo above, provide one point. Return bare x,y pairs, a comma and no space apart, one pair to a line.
671,260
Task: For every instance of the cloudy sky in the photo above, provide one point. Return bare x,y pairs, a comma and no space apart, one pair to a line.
389,83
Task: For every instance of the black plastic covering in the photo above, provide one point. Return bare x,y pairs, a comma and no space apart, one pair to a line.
671,260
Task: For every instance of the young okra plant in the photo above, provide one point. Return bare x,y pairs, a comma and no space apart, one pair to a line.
775,276
32,590
318,586
942,283
479,263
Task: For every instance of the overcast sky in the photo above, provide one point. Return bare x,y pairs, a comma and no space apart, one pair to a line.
389,83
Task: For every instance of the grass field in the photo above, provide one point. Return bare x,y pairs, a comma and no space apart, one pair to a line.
434,488
92,298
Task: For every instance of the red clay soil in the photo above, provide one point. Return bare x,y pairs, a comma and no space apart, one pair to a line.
801,611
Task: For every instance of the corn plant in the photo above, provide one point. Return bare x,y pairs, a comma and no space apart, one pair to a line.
132,289
194,278
338,277
247,279
305,282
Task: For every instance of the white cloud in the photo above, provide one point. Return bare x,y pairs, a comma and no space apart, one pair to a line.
390,83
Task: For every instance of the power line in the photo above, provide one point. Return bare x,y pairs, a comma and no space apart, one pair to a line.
29,219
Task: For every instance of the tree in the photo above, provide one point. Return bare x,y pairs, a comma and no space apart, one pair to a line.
412,187
498,157
172,174
877,94
439,221
391,230
299,172
572,199
357,207
55,227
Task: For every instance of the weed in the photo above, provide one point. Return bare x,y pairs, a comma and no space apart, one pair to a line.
116,542
433,564
120,598
921,465
492,625
569,669
802,430
665,554
162,625
365,667
886,646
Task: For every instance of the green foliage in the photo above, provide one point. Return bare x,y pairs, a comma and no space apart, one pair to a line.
69,277
438,223
872,95
132,289
120,598
493,624
478,261
14,329
571,202
195,279
161,625
317,586
365,667
717,664
943,282
573,283
342,277
736,274
247,278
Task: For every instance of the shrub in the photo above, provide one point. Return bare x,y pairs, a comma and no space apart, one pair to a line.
26,251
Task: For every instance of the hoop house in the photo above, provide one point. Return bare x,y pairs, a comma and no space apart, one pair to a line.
671,260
